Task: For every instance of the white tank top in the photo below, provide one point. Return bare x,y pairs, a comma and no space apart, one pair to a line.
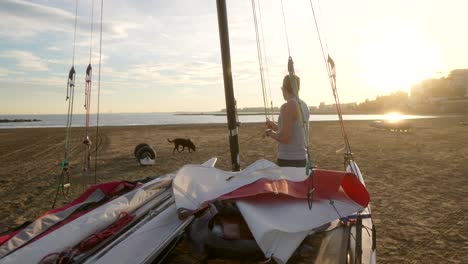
295,149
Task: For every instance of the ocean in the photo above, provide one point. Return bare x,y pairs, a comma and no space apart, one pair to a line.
142,119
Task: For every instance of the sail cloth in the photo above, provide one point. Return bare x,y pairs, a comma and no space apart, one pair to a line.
75,231
273,200
53,219
81,225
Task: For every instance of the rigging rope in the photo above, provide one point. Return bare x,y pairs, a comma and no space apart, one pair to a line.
331,70
285,29
295,89
74,33
266,62
91,34
64,177
320,13
348,156
300,112
99,94
88,82
260,60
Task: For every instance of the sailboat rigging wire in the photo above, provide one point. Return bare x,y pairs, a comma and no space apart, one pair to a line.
266,62
74,34
305,127
330,65
332,78
260,61
285,29
325,37
294,85
98,95
65,173
88,85
91,33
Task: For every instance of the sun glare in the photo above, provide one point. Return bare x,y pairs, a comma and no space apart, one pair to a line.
396,57
394,117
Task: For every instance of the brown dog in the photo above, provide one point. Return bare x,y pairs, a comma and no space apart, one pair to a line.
184,143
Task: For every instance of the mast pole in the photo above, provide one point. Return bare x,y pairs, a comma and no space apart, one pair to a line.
228,86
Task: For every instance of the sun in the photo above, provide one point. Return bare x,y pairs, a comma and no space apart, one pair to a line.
397,57
393,117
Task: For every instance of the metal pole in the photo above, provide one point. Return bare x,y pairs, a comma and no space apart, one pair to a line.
228,86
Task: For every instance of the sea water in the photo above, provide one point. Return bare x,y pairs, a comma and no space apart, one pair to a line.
142,119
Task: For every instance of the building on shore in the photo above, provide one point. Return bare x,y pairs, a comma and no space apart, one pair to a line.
445,95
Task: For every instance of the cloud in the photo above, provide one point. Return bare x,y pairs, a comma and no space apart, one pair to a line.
24,19
25,60
55,48
166,49
194,73
6,72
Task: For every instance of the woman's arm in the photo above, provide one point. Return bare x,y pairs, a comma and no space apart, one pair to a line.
288,115
271,125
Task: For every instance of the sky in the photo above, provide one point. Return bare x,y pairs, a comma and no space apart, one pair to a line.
164,55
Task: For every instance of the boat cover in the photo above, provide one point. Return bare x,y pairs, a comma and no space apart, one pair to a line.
75,231
274,201
53,219
65,227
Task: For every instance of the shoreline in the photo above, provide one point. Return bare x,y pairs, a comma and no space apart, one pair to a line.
19,120
411,118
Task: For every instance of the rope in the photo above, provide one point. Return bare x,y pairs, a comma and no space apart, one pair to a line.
70,98
88,81
67,255
74,34
305,130
122,220
89,71
99,94
266,62
285,29
91,34
320,13
298,101
330,66
331,70
260,60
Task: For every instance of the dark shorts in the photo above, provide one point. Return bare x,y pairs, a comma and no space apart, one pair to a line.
291,163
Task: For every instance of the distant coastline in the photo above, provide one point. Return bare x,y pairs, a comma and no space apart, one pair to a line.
240,113
222,113
19,120
143,119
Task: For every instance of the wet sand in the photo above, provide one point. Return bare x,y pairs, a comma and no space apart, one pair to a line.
418,180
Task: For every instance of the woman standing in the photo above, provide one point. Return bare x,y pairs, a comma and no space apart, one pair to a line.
289,132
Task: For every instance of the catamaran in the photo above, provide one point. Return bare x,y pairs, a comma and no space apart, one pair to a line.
263,212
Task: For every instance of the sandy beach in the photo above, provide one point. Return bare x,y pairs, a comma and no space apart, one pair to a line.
418,180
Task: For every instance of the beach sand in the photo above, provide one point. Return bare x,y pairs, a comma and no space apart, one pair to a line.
418,180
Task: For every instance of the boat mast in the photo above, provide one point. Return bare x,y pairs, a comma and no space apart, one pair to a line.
228,86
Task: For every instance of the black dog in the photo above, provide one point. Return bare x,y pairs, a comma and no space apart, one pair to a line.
184,143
